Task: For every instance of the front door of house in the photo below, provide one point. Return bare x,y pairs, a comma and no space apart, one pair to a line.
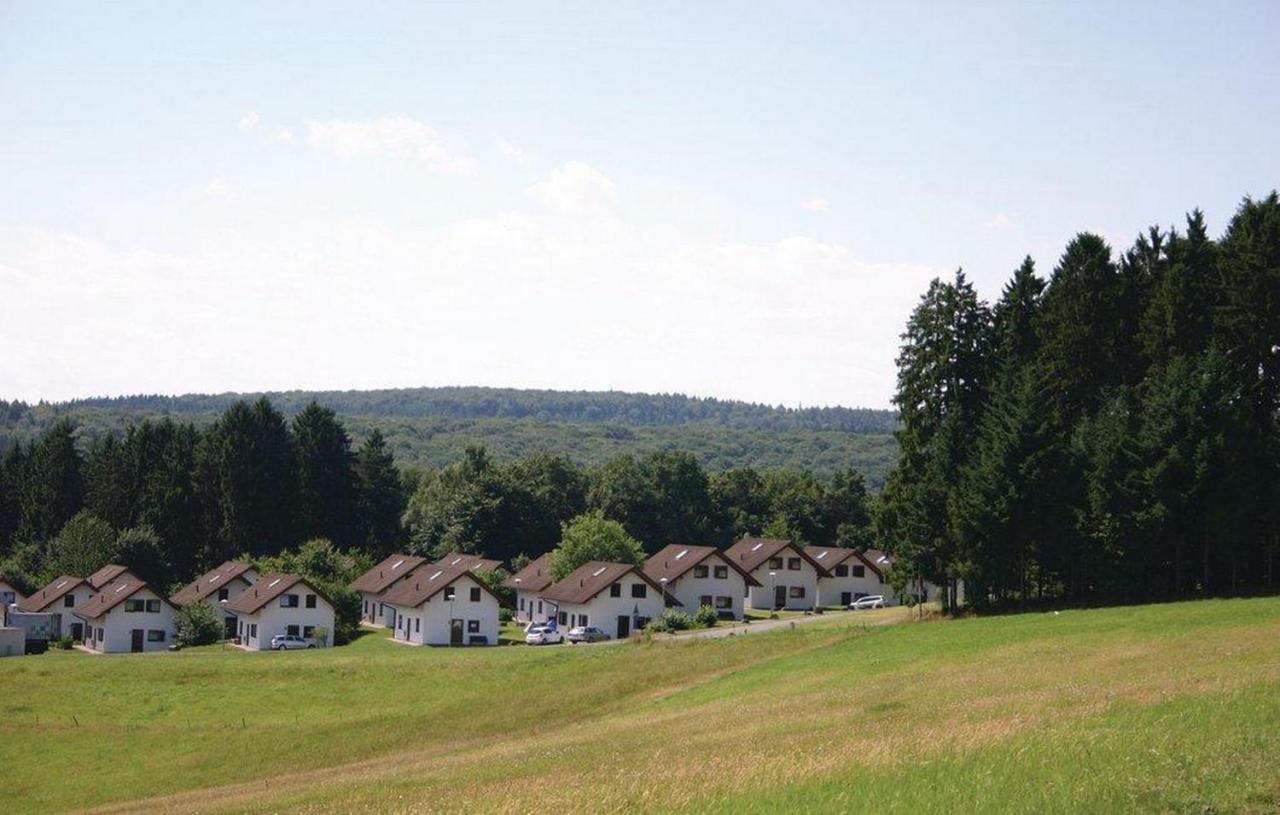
779,596
77,632
136,645
455,632
624,626
846,598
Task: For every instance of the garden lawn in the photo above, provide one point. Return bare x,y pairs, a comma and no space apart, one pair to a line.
1149,708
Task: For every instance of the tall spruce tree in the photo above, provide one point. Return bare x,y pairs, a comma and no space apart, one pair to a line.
326,477
379,497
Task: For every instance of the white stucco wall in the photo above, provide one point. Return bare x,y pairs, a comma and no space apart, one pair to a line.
806,577
83,595
271,620
689,590
233,587
603,610
831,589
430,623
117,626
535,609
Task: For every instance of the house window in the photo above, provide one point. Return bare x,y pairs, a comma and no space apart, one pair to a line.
564,618
311,601
842,570
704,600
291,630
797,592
69,601
793,564
722,572
242,628
724,602
253,631
582,619
155,636
539,606
448,592
522,604
775,563
859,571
223,594
134,605
700,571
473,626
289,601
308,631
101,635
615,590
639,590
417,625
153,606
475,594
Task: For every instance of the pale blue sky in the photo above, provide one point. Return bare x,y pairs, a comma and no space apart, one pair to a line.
737,200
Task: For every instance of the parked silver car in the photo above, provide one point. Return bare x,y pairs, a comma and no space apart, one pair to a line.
587,633
870,601
290,642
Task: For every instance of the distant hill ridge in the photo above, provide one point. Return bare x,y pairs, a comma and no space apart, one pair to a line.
596,407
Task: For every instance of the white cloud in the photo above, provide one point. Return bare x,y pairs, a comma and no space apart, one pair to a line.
999,222
514,299
575,188
248,122
512,151
219,189
817,204
285,134
395,137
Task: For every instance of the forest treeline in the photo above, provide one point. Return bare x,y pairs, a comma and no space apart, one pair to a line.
1109,434
432,427
170,499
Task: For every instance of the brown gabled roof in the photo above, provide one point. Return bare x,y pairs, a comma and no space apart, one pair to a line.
378,578
589,579
750,552
429,581
112,595
534,577
5,582
675,560
50,594
879,560
108,574
832,556
475,563
271,586
209,582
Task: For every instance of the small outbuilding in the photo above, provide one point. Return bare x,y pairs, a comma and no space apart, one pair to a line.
126,616
282,604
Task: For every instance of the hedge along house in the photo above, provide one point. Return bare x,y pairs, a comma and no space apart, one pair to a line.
281,604
785,576
617,598
217,588
701,576
444,605
528,583
126,616
375,583
61,598
849,575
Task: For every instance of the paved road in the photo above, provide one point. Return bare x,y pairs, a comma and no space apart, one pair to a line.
871,617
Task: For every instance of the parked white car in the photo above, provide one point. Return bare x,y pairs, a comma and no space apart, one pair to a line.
870,601
541,635
290,642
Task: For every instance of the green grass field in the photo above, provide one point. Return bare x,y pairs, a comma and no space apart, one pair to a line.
1172,708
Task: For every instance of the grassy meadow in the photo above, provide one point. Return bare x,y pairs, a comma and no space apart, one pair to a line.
1172,708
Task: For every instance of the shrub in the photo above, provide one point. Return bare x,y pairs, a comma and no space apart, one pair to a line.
320,635
706,617
198,624
505,615
670,621
66,642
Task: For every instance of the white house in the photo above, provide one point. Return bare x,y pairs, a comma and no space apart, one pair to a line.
920,591
9,595
849,575
617,598
216,588
376,582
61,598
528,583
785,576
444,605
701,576
126,616
281,604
